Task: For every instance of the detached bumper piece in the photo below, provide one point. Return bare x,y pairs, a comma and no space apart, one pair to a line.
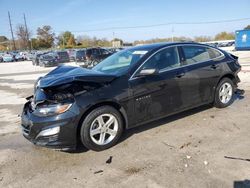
240,92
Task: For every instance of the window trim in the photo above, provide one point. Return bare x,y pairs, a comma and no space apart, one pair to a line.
132,77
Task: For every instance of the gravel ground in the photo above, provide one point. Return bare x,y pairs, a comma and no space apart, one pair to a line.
203,147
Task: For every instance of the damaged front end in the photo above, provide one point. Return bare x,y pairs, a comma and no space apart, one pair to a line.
51,116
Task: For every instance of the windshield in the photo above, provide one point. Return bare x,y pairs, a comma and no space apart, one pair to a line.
120,62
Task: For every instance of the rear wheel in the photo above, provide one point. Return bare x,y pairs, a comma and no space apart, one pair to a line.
224,93
102,128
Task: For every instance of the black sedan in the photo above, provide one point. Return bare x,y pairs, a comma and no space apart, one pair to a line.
129,88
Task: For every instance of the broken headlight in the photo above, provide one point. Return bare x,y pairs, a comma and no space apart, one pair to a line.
51,109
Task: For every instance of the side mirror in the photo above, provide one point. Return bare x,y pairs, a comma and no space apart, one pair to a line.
148,72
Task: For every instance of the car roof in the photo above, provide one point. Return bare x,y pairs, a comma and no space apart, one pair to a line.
149,47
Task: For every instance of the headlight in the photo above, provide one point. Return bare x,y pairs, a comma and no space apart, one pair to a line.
37,84
50,110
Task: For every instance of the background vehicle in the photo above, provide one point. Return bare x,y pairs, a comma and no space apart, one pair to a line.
35,58
1,57
72,53
61,56
47,60
127,89
29,56
18,57
8,58
80,58
96,55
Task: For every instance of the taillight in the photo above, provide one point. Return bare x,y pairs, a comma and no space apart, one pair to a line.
234,57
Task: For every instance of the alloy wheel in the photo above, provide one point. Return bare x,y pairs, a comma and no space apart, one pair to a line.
225,93
104,129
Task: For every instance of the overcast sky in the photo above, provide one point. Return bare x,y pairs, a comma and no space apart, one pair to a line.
80,16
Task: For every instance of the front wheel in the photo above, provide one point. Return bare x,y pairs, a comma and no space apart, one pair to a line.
102,128
224,93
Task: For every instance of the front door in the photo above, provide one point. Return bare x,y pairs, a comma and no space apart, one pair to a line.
160,94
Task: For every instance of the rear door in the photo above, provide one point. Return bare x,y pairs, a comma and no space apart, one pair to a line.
202,70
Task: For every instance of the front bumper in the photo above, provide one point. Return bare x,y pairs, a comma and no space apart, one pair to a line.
66,138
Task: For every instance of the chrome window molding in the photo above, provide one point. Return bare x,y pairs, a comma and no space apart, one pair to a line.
177,45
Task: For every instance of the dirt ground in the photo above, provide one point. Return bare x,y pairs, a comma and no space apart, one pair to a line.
203,147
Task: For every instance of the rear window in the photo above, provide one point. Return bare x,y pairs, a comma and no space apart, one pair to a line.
62,54
194,54
105,52
80,53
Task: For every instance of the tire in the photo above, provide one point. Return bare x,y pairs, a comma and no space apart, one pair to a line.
224,99
99,138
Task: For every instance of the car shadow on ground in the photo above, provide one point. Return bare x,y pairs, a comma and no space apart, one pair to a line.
130,132
147,126
163,121
242,184
171,118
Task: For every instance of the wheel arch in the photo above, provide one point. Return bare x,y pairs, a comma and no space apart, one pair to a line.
228,75
113,104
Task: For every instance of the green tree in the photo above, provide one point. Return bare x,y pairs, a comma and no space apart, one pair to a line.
3,43
3,39
71,42
202,39
45,37
247,27
224,36
66,39
35,44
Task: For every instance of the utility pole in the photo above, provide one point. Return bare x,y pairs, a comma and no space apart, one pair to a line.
13,39
172,31
26,32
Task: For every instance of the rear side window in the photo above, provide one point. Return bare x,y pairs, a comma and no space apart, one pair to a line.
194,54
165,59
95,52
214,53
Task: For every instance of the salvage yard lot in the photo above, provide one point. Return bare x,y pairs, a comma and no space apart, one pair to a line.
185,150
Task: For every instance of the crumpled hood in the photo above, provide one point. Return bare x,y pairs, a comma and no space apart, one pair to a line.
67,74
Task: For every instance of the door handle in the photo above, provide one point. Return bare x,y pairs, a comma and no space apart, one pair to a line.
179,75
214,66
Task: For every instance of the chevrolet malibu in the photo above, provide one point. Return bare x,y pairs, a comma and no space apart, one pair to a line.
128,89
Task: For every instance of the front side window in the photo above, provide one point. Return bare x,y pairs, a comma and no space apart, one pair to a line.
165,59
194,54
